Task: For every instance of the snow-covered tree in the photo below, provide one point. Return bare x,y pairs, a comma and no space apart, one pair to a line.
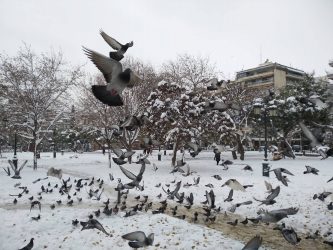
301,101
35,86
178,115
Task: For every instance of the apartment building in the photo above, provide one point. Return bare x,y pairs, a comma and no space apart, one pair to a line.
269,75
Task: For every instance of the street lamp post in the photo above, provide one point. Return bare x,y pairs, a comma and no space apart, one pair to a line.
267,110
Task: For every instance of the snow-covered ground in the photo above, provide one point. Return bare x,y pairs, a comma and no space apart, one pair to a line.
55,230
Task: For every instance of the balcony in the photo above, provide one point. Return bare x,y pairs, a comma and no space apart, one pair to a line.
255,76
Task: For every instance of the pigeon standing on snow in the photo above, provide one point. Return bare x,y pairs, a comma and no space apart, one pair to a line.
120,48
139,239
290,236
114,75
29,246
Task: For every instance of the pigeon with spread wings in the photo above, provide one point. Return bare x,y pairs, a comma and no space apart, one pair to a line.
120,48
139,239
114,75
136,179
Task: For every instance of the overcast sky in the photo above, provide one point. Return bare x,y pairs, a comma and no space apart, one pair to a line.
235,34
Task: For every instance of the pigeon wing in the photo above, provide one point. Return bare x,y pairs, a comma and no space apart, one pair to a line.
193,146
108,66
128,174
309,135
268,186
235,185
290,236
253,244
286,171
111,41
135,236
274,194
134,79
118,152
142,169
128,154
136,244
101,93
231,193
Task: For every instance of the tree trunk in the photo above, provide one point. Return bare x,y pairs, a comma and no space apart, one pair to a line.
35,155
240,148
109,153
234,154
175,149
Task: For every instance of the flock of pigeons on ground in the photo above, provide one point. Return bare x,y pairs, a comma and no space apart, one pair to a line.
73,191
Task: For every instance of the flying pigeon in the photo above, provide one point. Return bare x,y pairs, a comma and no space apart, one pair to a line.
234,184
270,198
29,246
210,198
311,170
214,84
315,143
271,217
231,193
171,195
253,244
195,149
120,49
139,239
133,122
91,224
136,179
278,173
117,79
121,156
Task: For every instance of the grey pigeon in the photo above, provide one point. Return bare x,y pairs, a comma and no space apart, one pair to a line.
171,195
311,170
231,193
253,244
93,224
136,179
117,79
278,173
290,236
120,48
210,198
139,239
29,246
270,198
195,149
248,167
234,184
214,84
271,217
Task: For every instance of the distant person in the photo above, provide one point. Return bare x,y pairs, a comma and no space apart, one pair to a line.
217,156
